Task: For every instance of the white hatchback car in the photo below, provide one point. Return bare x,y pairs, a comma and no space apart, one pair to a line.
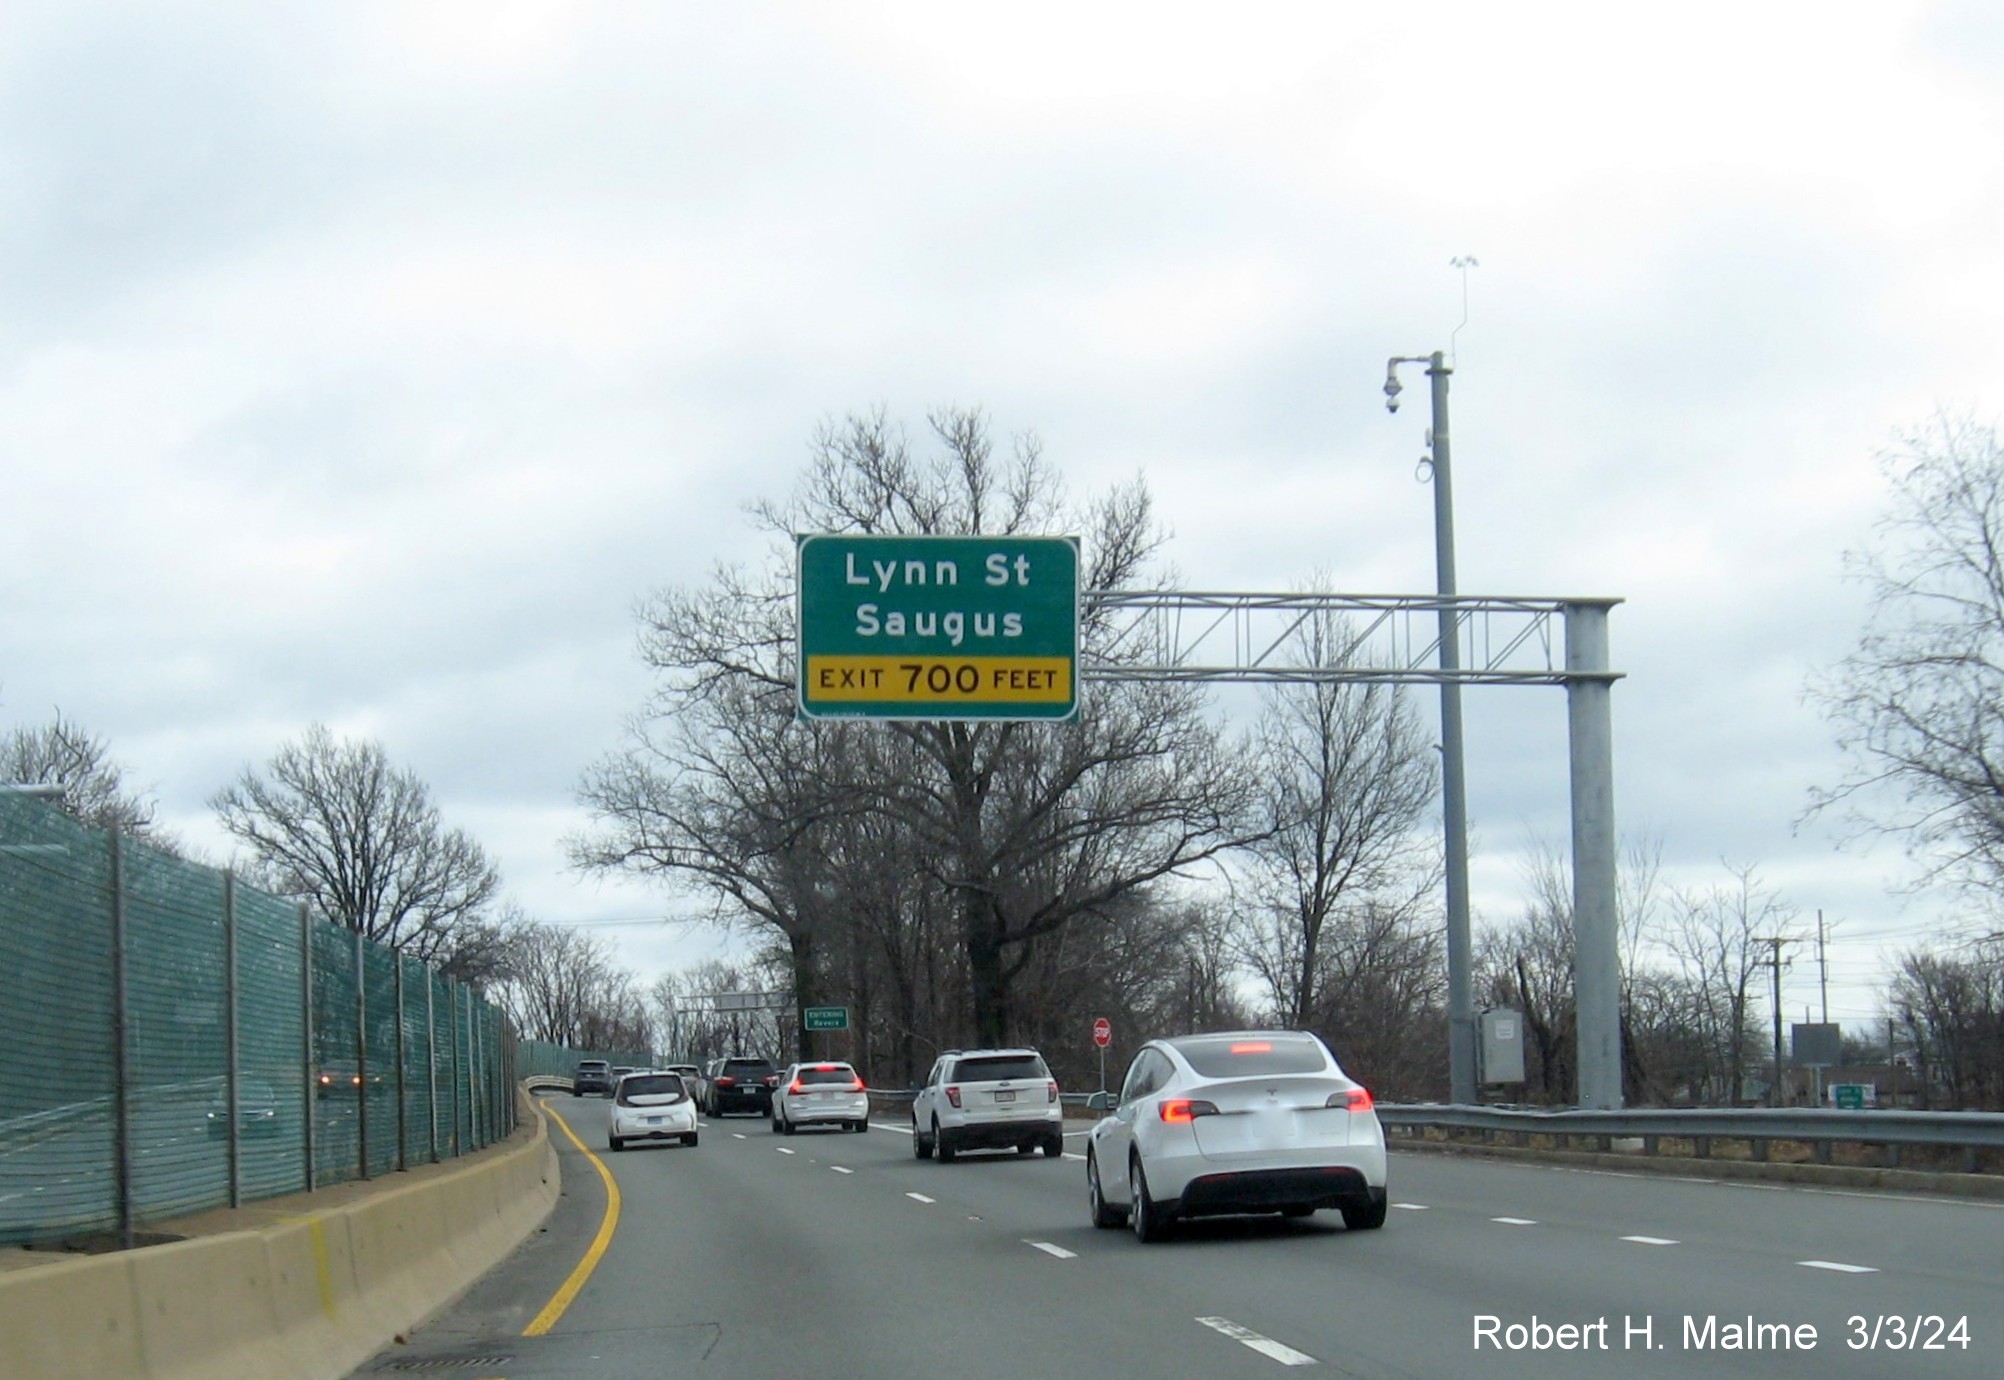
649,1105
1257,1121
820,1094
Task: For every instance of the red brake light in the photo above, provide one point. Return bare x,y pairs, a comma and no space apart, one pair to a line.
795,1087
857,1086
1253,1047
1355,1100
953,1096
1181,1109
824,1068
727,1082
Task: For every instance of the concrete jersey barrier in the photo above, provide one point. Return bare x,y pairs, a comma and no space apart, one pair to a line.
320,1283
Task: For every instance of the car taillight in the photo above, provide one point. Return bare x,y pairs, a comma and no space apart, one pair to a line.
1053,1086
1181,1109
794,1088
953,1096
727,1082
857,1086
1355,1100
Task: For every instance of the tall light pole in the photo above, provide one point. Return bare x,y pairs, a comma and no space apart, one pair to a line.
1453,796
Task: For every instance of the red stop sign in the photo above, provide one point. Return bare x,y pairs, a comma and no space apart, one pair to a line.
1102,1032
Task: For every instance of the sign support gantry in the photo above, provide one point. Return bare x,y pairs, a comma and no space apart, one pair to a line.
1396,639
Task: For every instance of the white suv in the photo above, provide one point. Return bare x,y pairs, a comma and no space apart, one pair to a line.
988,1099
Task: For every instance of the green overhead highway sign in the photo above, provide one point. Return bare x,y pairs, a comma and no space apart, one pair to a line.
938,627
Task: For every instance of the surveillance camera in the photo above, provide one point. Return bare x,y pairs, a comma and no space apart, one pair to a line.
1392,390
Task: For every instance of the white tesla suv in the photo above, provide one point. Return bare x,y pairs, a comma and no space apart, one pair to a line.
1253,1121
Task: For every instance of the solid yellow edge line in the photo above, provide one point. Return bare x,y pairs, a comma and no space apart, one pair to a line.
566,1295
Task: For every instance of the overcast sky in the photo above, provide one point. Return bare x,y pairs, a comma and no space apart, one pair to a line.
365,364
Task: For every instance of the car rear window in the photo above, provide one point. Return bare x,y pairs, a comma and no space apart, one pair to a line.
1254,1056
592,1066
992,1068
744,1068
834,1073
651,1085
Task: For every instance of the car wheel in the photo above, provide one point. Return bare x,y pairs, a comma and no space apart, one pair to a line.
942,1145
1103,1213
1297,1210
1368,1215
1027,1148
1054,1148
689,1139
615,1144
921,1147
790,1128
1141,1212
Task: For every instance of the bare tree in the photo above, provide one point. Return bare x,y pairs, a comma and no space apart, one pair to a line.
334,823
562,985
1343,777
92,784
1952,1008
1719,938
1918,705
1023,827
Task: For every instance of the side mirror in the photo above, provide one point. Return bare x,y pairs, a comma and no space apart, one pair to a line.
1102,1102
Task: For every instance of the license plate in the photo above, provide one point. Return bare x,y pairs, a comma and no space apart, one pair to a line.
1005,1097
656,1120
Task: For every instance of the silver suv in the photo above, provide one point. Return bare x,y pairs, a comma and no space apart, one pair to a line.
988,1099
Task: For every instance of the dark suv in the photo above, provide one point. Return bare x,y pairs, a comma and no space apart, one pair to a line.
739,1085
592,1076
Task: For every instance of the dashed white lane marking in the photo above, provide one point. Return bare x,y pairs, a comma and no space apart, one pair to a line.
737,1135
1411,1207
782,1150
1650,1240
1070,1156
920,1198
1840,1267
888,1126
840,1170
1515,1221
1048,1249
1265,1346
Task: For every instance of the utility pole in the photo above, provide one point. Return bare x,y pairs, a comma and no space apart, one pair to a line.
1822,968
1774,1098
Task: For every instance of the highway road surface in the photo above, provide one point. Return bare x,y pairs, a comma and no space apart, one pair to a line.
757,1255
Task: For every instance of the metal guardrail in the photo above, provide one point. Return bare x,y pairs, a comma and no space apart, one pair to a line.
1969,1132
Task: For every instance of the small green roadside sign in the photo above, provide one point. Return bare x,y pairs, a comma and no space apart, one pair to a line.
937,627
825,1018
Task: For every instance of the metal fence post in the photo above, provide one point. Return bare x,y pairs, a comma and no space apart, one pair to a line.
458,1064
306,1038
231,1081
120,1064
361,1058
431,1055
397,954
476,1083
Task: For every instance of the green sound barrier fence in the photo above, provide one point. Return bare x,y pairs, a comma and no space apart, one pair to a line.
172,1041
